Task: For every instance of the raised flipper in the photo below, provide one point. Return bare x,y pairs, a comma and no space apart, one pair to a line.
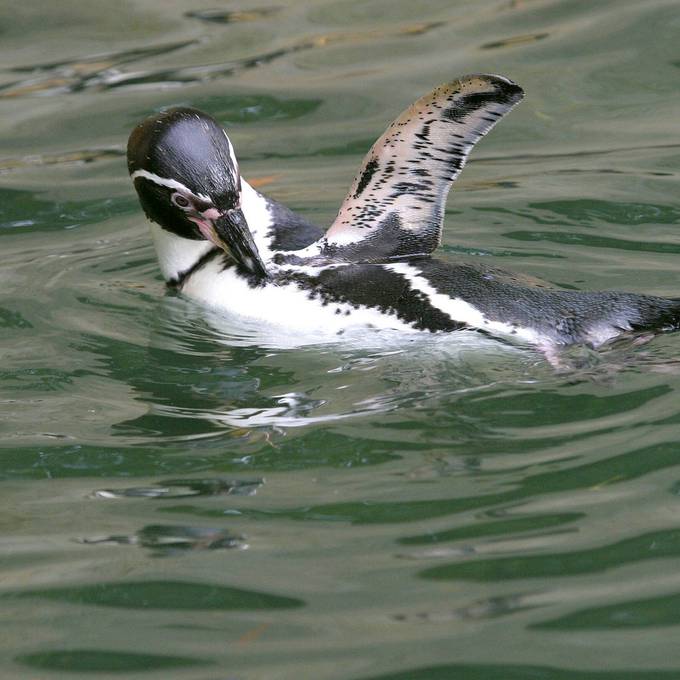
396,204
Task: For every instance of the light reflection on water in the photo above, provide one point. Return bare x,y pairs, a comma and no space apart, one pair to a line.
204,498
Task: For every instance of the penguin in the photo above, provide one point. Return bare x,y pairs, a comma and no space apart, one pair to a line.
223,243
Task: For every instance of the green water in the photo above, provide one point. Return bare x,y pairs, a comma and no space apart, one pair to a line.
180,501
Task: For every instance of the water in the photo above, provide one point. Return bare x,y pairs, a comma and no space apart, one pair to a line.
184,500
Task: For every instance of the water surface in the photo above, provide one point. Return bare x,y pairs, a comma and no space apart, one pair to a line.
185,500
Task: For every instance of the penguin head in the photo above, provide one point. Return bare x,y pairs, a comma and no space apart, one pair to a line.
187,179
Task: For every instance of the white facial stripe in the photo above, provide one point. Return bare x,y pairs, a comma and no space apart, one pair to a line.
232,154
170,183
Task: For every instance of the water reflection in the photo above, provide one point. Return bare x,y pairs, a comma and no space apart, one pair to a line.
656,545
521,672
158,595
168,540
180,488
652,612
105,72
221,16
491,608
509,526
104,661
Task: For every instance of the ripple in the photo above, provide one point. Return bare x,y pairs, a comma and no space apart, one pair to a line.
256,108
170,540
385,456
221,16
180,488
508,671
588,240
510,526
104,72
593,211
77,157
651,546
17,205
613,471
81,73
12,319
525,39
491,608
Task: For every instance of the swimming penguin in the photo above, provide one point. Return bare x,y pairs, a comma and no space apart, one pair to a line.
222,242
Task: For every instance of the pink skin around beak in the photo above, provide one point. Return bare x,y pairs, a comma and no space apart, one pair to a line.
206,226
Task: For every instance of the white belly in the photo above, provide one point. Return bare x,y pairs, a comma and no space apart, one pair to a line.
285,305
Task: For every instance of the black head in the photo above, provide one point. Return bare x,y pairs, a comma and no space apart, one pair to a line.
188,181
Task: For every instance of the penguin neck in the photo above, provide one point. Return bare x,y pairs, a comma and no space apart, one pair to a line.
259,218
177,255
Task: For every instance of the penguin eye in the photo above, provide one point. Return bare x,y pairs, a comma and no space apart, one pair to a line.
180,201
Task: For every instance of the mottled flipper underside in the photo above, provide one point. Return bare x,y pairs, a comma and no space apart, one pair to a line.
396,204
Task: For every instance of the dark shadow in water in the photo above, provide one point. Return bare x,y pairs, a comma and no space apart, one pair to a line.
354,147
534,157
488,417
113,58
25,212
516,672
504,527
181,595
591,212
651,612
653,545
515,40
255,108
224,16
104,661
13,319
589,241
169,541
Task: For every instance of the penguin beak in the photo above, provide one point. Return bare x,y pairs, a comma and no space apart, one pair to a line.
231,230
